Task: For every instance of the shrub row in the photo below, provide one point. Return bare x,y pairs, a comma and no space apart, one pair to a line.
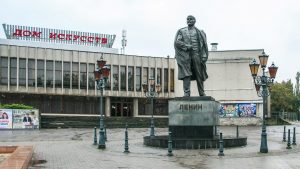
15,106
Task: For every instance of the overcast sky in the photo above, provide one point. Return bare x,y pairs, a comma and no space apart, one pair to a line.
273,25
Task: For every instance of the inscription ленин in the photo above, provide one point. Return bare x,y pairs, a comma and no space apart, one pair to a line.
185,107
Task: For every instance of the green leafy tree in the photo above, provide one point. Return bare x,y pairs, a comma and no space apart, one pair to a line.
297,91
283,98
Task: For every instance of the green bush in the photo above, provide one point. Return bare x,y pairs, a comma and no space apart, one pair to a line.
15,106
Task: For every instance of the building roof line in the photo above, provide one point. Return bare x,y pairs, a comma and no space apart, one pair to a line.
237,50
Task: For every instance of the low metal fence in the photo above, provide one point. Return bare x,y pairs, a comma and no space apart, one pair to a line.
290,116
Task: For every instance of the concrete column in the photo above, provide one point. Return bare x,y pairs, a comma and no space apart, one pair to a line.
107,107
135,107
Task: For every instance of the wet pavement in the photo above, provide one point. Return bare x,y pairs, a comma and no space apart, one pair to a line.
74,149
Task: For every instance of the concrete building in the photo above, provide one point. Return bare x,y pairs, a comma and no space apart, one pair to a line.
58,78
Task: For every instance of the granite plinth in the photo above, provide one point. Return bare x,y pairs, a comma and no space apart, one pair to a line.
193,117
194,111
192,131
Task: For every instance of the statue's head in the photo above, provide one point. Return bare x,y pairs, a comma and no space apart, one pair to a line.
190,20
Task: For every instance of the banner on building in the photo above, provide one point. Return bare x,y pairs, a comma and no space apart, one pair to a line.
19,119
58,36
238,110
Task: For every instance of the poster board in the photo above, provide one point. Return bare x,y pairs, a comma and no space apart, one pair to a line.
238,110
19,119
6,118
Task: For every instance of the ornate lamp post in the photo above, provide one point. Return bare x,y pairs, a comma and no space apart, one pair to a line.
151,93
262,84
101,75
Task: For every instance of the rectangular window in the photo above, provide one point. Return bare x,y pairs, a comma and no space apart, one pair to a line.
4,70
145,75
13,71
130,78
172,80
40,73
22,72
107,84
75,75
161,107
123,78
58,71
66,75
138,82
31,72
152,73
158,76
166,80
83,72
116,77
49,73
91,76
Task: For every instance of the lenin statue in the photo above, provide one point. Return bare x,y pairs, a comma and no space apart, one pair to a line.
191,54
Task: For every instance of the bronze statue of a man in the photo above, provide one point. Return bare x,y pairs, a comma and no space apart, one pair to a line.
191,53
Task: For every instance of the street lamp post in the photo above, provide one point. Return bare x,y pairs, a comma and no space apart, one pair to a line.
101,75
151,93
262,84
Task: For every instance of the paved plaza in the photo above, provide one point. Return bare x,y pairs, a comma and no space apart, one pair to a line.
73,149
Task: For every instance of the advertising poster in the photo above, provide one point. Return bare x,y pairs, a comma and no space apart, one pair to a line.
5,119
247,110
25,119
238,110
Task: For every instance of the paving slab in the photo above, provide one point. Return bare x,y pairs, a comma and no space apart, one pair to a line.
73,149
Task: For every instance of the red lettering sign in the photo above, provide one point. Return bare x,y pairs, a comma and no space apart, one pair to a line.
90,39
83,38
52,35
36,34
26,33
104,40
76,37
68,37
61,36
97,39
18,32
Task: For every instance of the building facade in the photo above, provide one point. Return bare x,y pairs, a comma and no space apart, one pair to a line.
59,79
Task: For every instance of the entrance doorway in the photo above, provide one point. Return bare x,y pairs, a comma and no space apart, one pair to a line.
121,107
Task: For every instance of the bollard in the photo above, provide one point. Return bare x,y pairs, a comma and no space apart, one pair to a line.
237,131
221,150
95,136
289,140
284,135
170,153
294,137
105,136
126,147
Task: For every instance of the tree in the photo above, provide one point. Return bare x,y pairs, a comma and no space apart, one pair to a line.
283,98
297,92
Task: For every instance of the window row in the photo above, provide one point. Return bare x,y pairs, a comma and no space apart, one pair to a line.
46,73
74,75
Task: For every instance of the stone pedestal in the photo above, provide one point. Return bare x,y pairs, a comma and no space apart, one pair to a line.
193,117
192,121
